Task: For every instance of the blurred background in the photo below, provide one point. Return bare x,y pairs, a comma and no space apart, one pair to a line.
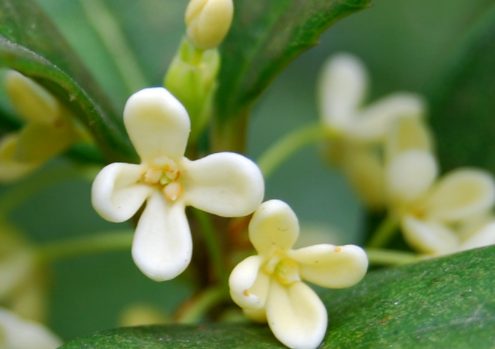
404,43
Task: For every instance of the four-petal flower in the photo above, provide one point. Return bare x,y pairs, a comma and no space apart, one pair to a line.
430,209
359,131
225,184
269,287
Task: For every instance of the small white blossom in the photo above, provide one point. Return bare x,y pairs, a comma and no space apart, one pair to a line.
359,130
208,21
269,286
429,208
225,184
16,333
48,130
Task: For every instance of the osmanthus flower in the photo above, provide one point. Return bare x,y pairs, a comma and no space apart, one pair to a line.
269,286
359,130
49,128
430,208
17,333
225,184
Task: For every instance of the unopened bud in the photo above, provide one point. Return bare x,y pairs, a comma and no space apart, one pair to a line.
208,22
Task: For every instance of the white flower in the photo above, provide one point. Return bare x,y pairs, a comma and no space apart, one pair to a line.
48,130
16,333
225,184
359,131
269,287
208,21
429,208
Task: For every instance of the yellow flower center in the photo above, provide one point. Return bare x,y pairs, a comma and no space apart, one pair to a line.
284,269
165,175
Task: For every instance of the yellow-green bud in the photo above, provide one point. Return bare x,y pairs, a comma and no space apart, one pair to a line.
191,78
208,22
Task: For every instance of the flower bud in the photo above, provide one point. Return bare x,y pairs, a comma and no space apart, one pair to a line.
208,21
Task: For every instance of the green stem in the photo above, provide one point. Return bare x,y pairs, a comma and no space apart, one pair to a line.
290,144
385,232
379,256
85,245
20,193
113,38
201,304
230,135
213,246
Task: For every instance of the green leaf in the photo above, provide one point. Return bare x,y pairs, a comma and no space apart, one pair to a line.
439,303
266,36
30,44
462,101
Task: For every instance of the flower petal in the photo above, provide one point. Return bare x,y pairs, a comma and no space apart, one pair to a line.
341,90
484,237
19,333
30,100
374,122
208,22
162,245
10,168
461,194
157,123
248,285
296,315
410,175
274,226
256,315
429,236
365,173
225,184
116,194
331,266
407,133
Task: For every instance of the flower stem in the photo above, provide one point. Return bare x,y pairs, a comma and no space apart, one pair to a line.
379,256
385,232
196,308
213,246
112,37
85,245
290,144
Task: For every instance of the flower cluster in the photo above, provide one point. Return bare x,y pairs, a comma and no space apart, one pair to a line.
387,153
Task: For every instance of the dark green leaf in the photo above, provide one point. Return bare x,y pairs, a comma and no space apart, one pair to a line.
266,36
440,303
462,101
30,44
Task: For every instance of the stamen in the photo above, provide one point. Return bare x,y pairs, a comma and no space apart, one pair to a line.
153,175
172,173
287,271
172,191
